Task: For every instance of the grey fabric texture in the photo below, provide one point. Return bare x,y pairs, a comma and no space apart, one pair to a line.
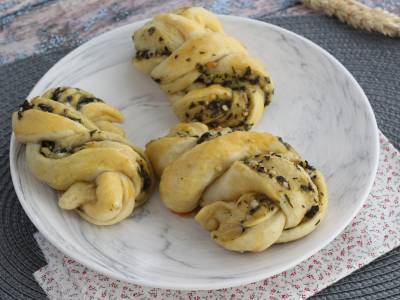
373,60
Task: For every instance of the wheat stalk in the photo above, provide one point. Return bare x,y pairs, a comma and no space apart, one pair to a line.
359,15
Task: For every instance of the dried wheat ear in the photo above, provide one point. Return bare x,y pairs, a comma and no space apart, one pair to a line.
359,15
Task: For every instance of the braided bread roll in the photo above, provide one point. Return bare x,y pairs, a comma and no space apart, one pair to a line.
254,189
166,32
209,76
74,146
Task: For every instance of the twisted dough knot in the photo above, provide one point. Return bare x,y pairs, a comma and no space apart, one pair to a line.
166,32
74,146
254,189
209,76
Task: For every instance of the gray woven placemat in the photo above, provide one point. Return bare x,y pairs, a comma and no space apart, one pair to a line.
371,58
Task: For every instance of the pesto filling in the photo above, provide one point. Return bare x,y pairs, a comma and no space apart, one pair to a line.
60,94
234,80
146,179
212,134
147,54
257,164
51,149
219,112
26,105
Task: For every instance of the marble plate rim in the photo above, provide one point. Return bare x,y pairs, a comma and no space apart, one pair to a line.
232,282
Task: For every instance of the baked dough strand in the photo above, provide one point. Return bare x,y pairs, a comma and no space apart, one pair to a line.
73,144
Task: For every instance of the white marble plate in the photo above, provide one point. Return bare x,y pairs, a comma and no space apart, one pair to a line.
318,107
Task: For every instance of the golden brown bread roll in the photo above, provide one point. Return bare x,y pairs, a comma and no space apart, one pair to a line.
74,146
166,32
209,76
254,189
